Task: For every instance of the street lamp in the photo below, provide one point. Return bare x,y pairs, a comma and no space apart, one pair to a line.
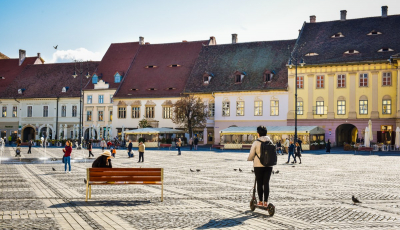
294,60
79,72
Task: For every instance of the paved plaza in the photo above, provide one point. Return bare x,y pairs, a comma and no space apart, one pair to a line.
313,195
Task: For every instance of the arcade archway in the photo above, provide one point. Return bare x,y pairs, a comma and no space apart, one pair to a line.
346,133
28,134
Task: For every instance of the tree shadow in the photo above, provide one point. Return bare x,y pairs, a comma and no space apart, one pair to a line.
110,203
231,222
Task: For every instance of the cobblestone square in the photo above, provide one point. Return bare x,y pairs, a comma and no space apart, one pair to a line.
313,195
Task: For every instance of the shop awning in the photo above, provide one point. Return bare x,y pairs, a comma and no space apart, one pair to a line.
252,130
153,131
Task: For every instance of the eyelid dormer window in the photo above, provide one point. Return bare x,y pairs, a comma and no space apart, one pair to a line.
374,33
150,66
385,50
174,65
352,52
311,54
337,35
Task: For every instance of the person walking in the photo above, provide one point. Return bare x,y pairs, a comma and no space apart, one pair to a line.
10,140
328,146
142,147
196,142
291,153
67,156
287,146
89,147
297,153
300,142
279,148
30,143
178,146
18,142
263,174
191,143
103,161
103,144
362,140
130,148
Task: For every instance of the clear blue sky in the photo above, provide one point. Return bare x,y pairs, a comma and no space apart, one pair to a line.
84,29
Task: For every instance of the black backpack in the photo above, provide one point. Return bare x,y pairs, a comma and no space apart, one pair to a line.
267,156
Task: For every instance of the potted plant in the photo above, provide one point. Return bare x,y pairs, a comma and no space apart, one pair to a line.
314,146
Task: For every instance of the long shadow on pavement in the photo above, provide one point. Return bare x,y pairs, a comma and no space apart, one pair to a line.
110,203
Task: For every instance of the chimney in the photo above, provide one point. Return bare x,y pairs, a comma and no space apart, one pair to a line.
141,40
234,38
38,55
184,40
22,55
212,41
343,15
313,19
384,11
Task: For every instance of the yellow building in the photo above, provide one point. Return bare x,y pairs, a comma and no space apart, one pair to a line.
350,76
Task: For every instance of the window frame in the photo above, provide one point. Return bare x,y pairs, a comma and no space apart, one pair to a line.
320,82
273,107
117,76
63,111
341,107
387,105
101,99
121,111
318,106
300,82
364,76
4,111
100,116
342,81
74,111
89,115
15,111
386,77
240,109
135,112
29,111
45,111
150,113
359,107
258,108
167,112
226,108
110,115
89,101
300,111
211,109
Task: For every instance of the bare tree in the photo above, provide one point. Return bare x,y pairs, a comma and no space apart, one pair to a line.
190,112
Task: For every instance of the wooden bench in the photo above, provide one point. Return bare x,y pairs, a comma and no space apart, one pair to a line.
365,149
218,146
165,145
246,146
123,176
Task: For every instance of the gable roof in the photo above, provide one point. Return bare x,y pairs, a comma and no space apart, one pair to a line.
253,58
316,38
3,56
162,76
9,69
47,81
118,58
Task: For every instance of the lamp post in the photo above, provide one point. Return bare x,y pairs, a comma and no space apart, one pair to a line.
295,59
79,72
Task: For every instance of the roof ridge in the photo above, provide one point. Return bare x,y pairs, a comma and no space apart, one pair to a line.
287,40
353,19
172,43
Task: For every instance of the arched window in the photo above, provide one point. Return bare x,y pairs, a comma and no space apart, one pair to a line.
363,105
95,79
117,78
341,105
387,104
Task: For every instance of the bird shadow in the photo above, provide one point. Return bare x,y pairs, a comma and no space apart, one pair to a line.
110,203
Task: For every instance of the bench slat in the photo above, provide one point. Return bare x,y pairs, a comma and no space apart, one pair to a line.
124,182
126,178
124,169
124,173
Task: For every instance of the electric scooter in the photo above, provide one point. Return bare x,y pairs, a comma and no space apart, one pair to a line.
253,203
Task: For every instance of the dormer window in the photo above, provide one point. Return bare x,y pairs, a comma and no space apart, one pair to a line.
117,78
134,89
20,91
239,76
207,78
150,66
374,33
64,89
351,52
174,65
385,50
95,79
337,35
311,54
170,88
152,89
2,78
268,75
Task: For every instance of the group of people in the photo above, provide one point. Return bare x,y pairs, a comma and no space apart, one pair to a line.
193,142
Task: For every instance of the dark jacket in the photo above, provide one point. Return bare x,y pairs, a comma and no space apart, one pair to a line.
30,143
196,141
89,147
130,146
297,151
291,148
100,162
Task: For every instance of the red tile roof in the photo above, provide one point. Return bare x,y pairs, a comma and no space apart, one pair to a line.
163,76
118,58
9,70
47,81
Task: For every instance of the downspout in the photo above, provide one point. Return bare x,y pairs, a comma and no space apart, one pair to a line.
57,119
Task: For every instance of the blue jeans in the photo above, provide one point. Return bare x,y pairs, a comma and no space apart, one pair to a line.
179,150
291,154
67,160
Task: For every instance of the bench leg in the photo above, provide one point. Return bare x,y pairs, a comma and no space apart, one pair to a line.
162,190
86,191
90,192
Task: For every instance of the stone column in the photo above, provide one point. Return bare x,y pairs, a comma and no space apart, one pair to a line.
65,132
331,98
60,131
352,98
310,89
374,100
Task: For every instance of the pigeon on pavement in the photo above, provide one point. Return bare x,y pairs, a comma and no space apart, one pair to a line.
54,169
235,169
277,171
355,200
191,170
84,180
240,170
198,170
252,171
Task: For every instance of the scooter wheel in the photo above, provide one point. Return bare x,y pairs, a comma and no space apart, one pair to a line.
252,205
271,209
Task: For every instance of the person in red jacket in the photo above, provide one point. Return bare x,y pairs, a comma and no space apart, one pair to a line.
67,156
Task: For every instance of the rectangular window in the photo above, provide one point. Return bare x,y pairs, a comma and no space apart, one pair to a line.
89,116
226,109
110,115
238,78
300,82
135,112
274,108
300,109
15,111
63,111
240,108
29,111
4,111
211,109
89,99
111,98
167,112
341,107
386,79
74,110
364,80
121,112
363,107
150,112
100,113
341,81
45,111
320,82
387,107
258,108
101,99
320,108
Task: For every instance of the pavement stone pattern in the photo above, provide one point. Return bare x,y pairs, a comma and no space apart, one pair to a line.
313,195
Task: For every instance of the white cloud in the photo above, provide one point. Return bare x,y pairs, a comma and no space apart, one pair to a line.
77,54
